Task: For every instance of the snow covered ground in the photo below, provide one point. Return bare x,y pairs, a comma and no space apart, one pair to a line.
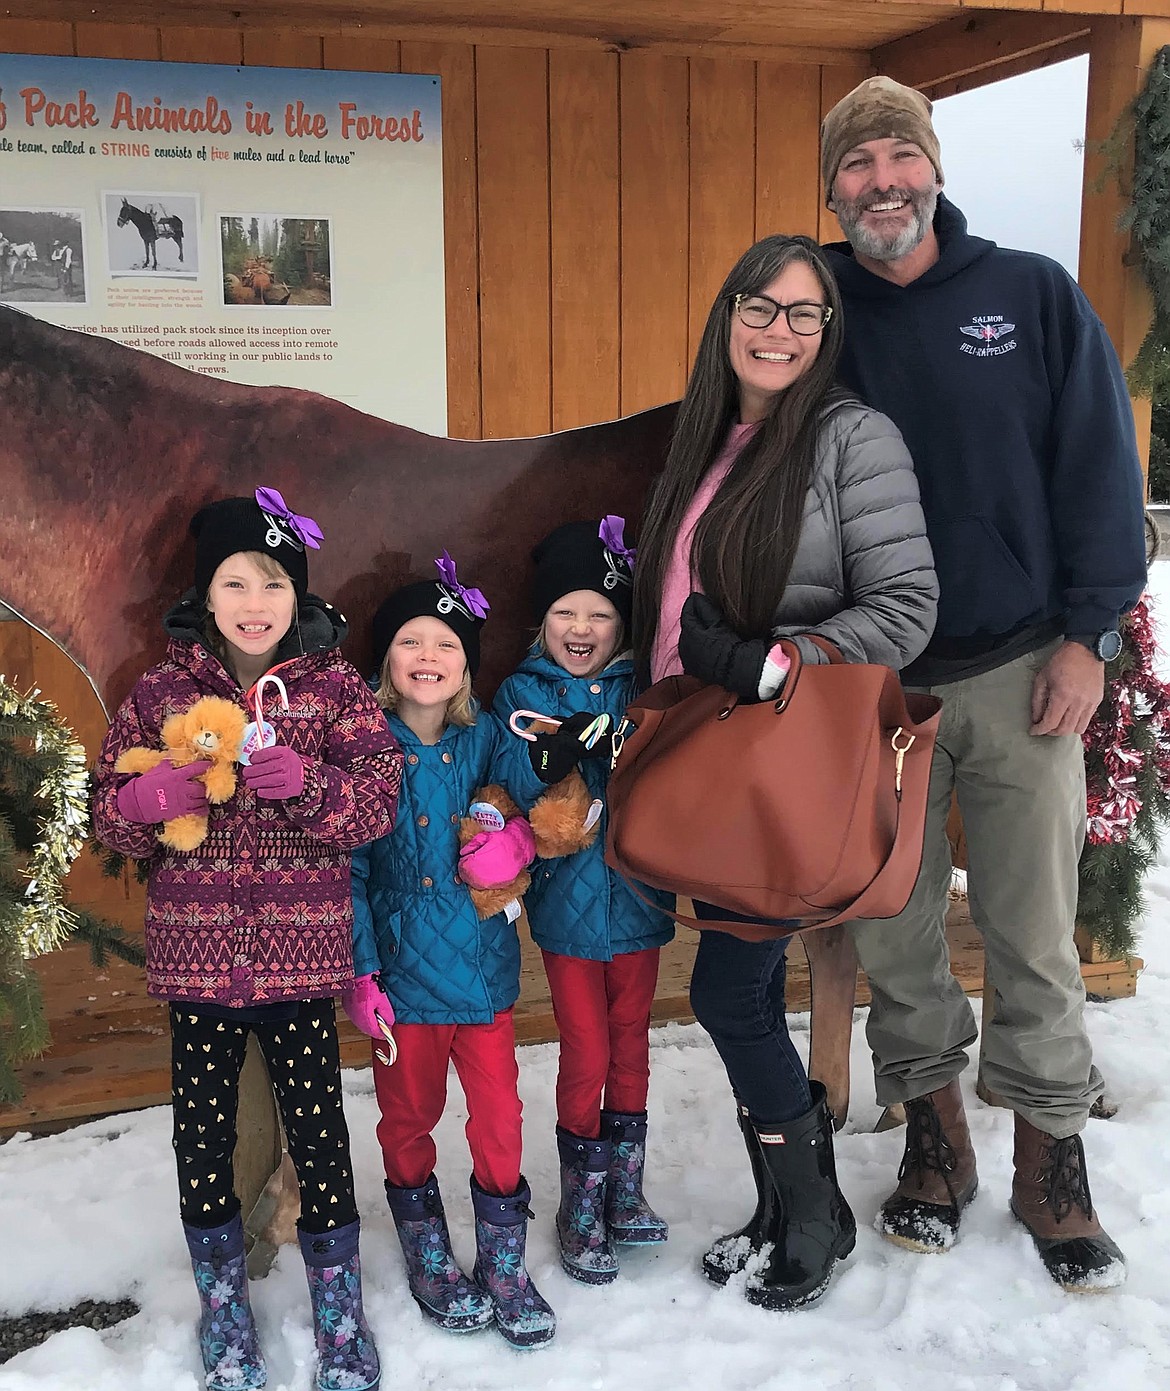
91,1213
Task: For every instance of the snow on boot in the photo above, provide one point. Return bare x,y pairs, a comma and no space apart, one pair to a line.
630,1218
346,1355
811,1226
936,1179
730,1254
586,1250
522,1314
1050,1196
440,1289
232,1360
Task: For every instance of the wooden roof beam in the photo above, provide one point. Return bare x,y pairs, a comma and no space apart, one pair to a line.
982,47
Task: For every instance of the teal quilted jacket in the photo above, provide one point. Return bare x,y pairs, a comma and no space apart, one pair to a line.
577,906
412,920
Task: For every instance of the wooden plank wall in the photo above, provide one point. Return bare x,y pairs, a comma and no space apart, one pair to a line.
594,200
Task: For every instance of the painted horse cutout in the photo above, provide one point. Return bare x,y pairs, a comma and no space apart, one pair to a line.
94,531
153,225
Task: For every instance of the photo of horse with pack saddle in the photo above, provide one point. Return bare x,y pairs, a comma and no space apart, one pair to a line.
152,233
270,261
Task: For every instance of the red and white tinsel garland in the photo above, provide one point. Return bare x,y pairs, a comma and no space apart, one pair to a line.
1138,697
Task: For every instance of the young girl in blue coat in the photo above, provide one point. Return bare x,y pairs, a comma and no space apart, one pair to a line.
600,941
450,977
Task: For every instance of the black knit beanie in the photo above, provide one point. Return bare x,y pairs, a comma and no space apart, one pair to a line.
575,556
449,602
237,524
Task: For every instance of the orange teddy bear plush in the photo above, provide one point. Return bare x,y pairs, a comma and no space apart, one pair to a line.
564,819
212,729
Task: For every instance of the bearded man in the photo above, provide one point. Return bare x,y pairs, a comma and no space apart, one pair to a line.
1011,399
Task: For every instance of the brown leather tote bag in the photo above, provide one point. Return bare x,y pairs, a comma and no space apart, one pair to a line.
809,808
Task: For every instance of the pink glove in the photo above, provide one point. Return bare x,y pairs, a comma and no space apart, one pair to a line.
370,1011
164,793
276,773
497,857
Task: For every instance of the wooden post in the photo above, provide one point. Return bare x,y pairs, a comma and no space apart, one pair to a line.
1121,50
258,1138
832,968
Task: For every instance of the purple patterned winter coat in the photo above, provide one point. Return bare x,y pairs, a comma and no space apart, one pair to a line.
262,909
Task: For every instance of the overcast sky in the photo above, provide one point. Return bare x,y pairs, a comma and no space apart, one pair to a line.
1012,160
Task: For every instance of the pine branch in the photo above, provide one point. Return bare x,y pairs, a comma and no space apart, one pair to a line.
106,939
1148,217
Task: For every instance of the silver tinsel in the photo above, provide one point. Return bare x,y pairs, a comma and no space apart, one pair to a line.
44,922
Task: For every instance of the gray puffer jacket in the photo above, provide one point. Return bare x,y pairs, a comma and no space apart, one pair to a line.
863,575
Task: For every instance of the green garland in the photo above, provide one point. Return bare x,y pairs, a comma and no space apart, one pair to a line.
44,793
51,772
1148,218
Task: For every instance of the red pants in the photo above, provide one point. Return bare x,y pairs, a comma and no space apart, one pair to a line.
602,1010
413,1092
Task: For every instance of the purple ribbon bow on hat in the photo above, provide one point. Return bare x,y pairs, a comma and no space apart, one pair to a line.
305,529
612,534
472,599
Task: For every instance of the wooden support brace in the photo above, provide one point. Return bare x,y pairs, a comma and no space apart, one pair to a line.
832,966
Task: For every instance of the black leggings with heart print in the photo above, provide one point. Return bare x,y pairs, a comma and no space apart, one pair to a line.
207,1054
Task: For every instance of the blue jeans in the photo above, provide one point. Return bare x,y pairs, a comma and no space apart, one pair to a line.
737,994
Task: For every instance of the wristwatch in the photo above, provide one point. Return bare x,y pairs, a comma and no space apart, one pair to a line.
1106,645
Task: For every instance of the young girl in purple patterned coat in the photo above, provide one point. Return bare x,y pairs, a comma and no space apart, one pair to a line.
251,930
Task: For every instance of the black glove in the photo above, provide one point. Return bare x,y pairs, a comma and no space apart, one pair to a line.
710,649
554,756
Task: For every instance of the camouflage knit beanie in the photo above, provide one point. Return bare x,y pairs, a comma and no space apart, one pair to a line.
877,109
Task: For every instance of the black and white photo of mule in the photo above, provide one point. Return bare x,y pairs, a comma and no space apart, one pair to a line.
152,233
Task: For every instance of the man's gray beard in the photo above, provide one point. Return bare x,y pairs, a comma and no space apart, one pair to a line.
886,248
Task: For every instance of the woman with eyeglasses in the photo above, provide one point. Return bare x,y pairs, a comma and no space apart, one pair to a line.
786,509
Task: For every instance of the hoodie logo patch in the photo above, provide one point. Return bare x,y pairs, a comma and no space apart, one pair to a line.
987,330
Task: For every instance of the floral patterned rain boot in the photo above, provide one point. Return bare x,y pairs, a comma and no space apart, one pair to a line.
440,1289
522,1314
630,1218
347,1359
232,1360
586,1250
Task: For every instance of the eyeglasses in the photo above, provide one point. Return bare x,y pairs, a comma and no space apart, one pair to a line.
805,317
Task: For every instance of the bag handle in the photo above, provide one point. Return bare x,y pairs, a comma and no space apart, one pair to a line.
831,650
791,650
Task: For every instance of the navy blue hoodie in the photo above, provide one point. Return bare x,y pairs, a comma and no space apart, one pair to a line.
1012,403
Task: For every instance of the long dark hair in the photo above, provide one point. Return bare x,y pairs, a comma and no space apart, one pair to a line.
745,541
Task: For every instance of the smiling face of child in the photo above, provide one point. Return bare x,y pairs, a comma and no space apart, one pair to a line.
253,607
426,663
581,632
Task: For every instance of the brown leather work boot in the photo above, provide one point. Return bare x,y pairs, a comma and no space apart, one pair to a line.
936,1179
1050,1196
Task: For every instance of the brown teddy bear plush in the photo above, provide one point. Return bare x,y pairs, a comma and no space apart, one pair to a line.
213,728
493,898
560,820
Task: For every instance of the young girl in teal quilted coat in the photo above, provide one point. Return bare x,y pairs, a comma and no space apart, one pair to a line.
600,940
450,977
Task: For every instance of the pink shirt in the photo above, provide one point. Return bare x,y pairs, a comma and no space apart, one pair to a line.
679,581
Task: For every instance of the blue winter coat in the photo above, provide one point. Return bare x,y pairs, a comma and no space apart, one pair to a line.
412,919
577,906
